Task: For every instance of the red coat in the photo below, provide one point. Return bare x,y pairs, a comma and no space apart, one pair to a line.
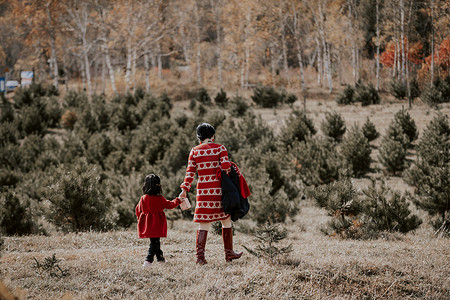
152,221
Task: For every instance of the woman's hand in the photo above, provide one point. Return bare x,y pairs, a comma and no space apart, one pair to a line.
182,194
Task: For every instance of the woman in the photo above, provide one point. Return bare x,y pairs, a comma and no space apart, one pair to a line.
206,159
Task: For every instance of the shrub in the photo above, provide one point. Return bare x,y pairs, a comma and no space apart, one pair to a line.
356,152
52,91
77,200
333,126
340,199
407,124
398,89
267,96
290,99
315,160
33,118
221,98
203,96
9,178
386,210
347,96
68,119
266,207
8,133
393,148
369,131
25,96
268,236
15,215
438,92
53,111
297,128
238,106
74,100
8,113
414,89
430,173
366,94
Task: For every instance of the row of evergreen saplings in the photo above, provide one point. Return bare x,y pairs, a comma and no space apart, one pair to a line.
433,94
275,167
98,162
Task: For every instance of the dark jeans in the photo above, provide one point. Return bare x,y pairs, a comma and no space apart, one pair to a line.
155,249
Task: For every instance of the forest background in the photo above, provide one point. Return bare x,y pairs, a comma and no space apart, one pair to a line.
119,88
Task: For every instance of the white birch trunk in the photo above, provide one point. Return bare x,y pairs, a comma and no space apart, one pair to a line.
134,68
52,46
352,39
217,6
159,62
432,41
128,67
378,42
147,72
198,56
284,46
402,36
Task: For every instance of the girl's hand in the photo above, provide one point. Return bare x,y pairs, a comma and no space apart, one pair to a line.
182,194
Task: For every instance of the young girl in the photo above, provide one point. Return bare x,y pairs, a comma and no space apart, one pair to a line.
152,221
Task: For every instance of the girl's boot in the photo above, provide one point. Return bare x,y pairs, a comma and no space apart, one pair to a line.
201,242
227,235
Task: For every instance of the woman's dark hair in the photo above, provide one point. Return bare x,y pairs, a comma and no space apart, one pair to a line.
205,131
152,185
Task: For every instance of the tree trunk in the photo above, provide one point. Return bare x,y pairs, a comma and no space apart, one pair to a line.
134,68
198,56
319,63
147,72
87,67
159,62
216,4
432,41
352,38
284,46
378,43
103,77
110,68
52,46
402,37
128,67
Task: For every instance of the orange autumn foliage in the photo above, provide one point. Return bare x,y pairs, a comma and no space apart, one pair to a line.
414,54
441,56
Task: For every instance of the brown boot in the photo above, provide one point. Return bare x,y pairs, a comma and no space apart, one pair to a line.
201,242
227,235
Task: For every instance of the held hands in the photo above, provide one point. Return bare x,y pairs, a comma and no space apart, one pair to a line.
182,194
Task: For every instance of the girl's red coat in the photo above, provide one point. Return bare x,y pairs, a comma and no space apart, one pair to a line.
152,221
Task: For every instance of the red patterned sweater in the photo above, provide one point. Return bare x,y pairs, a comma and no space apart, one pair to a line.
206,159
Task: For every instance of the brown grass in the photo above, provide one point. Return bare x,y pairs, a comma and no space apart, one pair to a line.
108,266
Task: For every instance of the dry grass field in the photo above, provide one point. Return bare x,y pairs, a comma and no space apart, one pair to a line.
108,265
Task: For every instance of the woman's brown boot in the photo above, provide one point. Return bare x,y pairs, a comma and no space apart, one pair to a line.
201,242
227,235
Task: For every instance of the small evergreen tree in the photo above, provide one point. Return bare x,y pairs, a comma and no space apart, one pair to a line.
238,106
356,152
369,131
398,89
267,97
347,96
333,126
430,174
315,160
77,198
438,92
15,215
298,127
386,210
203,96
407,124
393,148
366,94
221,98
268,236
340,199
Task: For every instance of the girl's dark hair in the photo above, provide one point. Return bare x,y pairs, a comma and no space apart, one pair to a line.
205,131
152,185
